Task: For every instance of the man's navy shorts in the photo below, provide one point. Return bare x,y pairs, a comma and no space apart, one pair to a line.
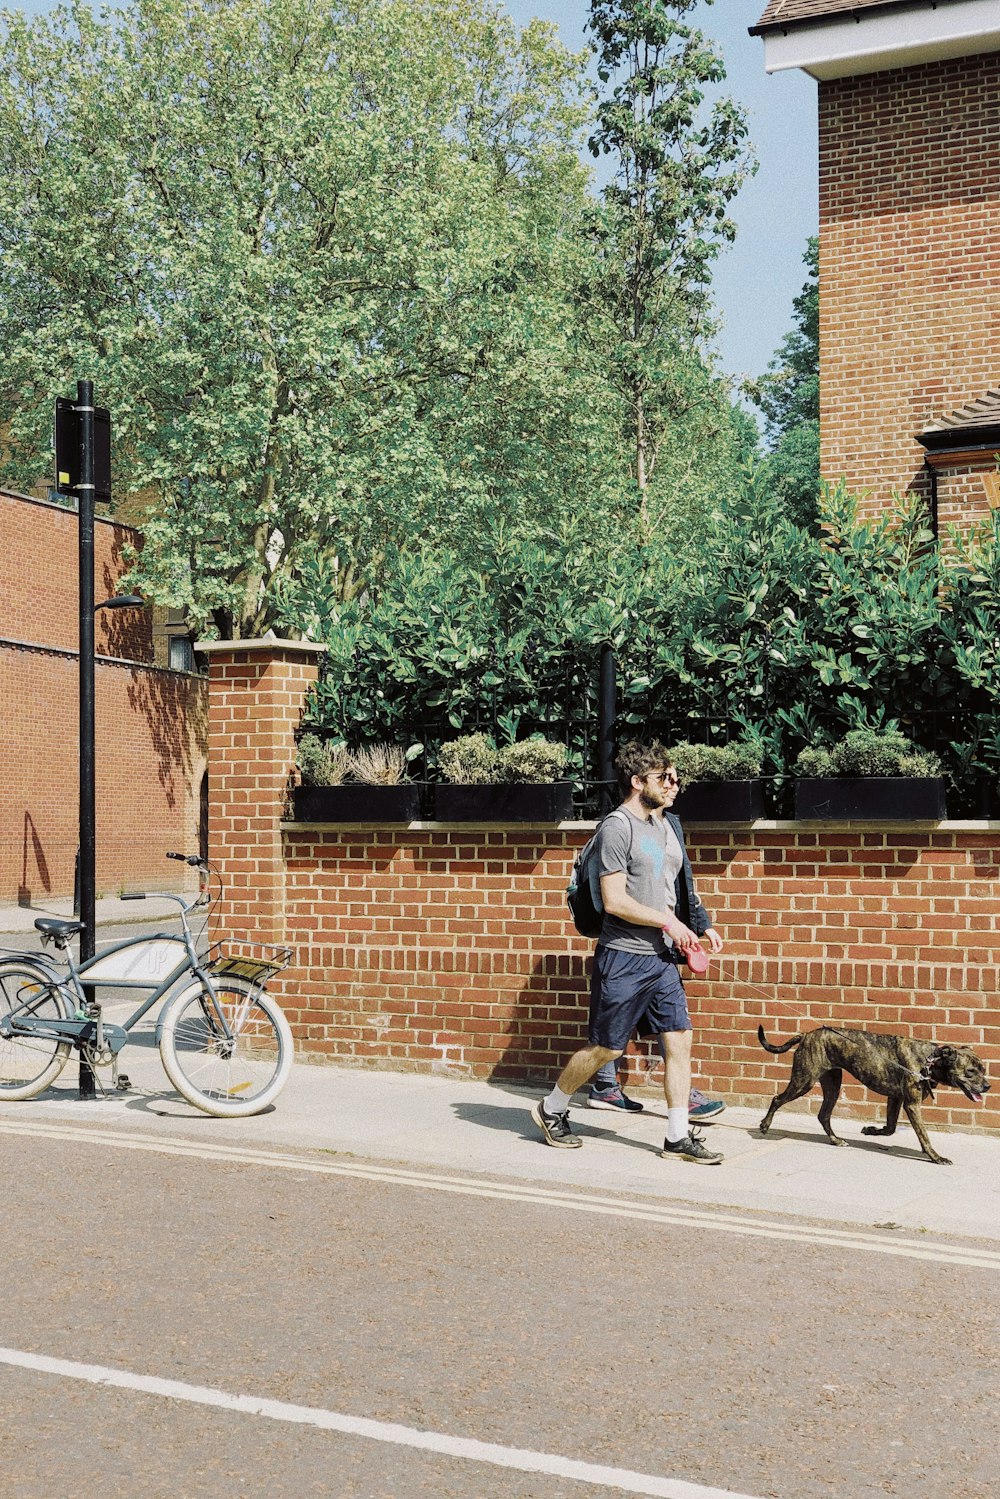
623,986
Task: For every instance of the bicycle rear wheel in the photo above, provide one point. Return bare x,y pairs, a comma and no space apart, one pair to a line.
28,1064
230,1077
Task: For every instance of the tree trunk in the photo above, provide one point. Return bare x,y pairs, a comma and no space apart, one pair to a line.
641,474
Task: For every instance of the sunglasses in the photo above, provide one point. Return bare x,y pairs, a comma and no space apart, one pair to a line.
666,777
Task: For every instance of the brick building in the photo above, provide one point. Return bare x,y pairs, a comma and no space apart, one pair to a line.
909,194
150,719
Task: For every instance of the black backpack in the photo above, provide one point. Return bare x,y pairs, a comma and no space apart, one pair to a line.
583,892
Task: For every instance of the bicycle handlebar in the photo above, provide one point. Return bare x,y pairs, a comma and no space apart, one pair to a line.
182,900
195,860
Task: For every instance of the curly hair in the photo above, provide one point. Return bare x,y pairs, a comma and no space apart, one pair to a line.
637,759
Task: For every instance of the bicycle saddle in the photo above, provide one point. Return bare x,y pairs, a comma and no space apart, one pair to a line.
52,926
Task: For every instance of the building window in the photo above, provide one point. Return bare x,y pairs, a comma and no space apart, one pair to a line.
181,653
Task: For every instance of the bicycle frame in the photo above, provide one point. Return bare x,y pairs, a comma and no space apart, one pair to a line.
224,1044
102,969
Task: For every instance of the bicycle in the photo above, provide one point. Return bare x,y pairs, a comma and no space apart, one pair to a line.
224,1042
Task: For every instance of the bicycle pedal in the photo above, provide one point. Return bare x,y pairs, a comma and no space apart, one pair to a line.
123,1083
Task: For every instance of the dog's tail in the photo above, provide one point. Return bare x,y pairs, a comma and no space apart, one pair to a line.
777,1050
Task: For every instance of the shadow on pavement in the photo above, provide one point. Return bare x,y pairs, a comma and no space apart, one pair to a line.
902,1152
518,1120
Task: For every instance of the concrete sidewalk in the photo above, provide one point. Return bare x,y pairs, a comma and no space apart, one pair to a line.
480,1129
109,910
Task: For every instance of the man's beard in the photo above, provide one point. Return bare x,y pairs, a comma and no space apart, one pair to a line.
650,802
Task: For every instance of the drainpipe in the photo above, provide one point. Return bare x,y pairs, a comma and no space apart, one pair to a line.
933,486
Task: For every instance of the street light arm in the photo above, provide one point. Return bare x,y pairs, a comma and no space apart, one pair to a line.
122,601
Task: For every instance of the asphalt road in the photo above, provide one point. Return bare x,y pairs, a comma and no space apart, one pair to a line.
764,1367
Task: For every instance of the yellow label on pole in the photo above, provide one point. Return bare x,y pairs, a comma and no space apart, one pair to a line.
63,478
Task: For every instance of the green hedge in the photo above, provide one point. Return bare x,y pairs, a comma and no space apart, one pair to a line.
763,631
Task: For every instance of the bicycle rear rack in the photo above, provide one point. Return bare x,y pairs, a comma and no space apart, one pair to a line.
254,962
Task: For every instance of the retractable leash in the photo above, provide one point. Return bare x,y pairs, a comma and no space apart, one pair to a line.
756,989
696,958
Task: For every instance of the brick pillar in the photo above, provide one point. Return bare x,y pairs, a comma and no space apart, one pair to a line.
256,693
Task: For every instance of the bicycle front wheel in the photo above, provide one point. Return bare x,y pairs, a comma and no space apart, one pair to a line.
234,1075
28,1064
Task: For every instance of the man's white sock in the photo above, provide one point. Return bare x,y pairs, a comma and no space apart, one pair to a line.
557,1102
677,1125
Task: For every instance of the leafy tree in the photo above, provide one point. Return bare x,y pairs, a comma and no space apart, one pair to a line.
663,216
788,396
314,255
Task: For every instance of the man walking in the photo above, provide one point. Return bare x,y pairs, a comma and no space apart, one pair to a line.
605,1090
638,861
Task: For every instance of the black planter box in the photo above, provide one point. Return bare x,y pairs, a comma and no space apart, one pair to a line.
549,803
871,799
357,803
720,801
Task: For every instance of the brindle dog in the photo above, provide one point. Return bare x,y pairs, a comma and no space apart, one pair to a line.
906,1071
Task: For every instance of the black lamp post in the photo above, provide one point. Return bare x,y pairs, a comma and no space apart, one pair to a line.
85,490
88,800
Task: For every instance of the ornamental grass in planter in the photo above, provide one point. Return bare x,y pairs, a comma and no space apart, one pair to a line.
871,776
520,783
719,782
364,785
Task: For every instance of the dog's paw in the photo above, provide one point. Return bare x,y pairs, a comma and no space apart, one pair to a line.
836,1140
940,1160
872,1129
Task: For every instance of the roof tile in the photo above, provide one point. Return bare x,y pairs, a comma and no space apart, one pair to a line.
795,12
983,412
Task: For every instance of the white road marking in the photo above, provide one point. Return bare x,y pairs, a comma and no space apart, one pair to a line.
646,1212
521,1459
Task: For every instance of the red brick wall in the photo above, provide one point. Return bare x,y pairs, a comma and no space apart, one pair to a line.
149,764
909,261
39,576
437,949
962,493
256,698
149,723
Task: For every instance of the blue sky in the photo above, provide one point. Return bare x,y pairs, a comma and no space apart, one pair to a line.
756,280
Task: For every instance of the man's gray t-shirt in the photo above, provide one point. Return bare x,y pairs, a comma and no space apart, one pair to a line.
650,855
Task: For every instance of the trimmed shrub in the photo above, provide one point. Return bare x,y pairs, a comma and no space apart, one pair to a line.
533,762
472,760
869,752
322,763
717,762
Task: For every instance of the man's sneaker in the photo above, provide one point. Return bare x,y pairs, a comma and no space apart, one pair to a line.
691,1149
613,1098
555,1128
701,1108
